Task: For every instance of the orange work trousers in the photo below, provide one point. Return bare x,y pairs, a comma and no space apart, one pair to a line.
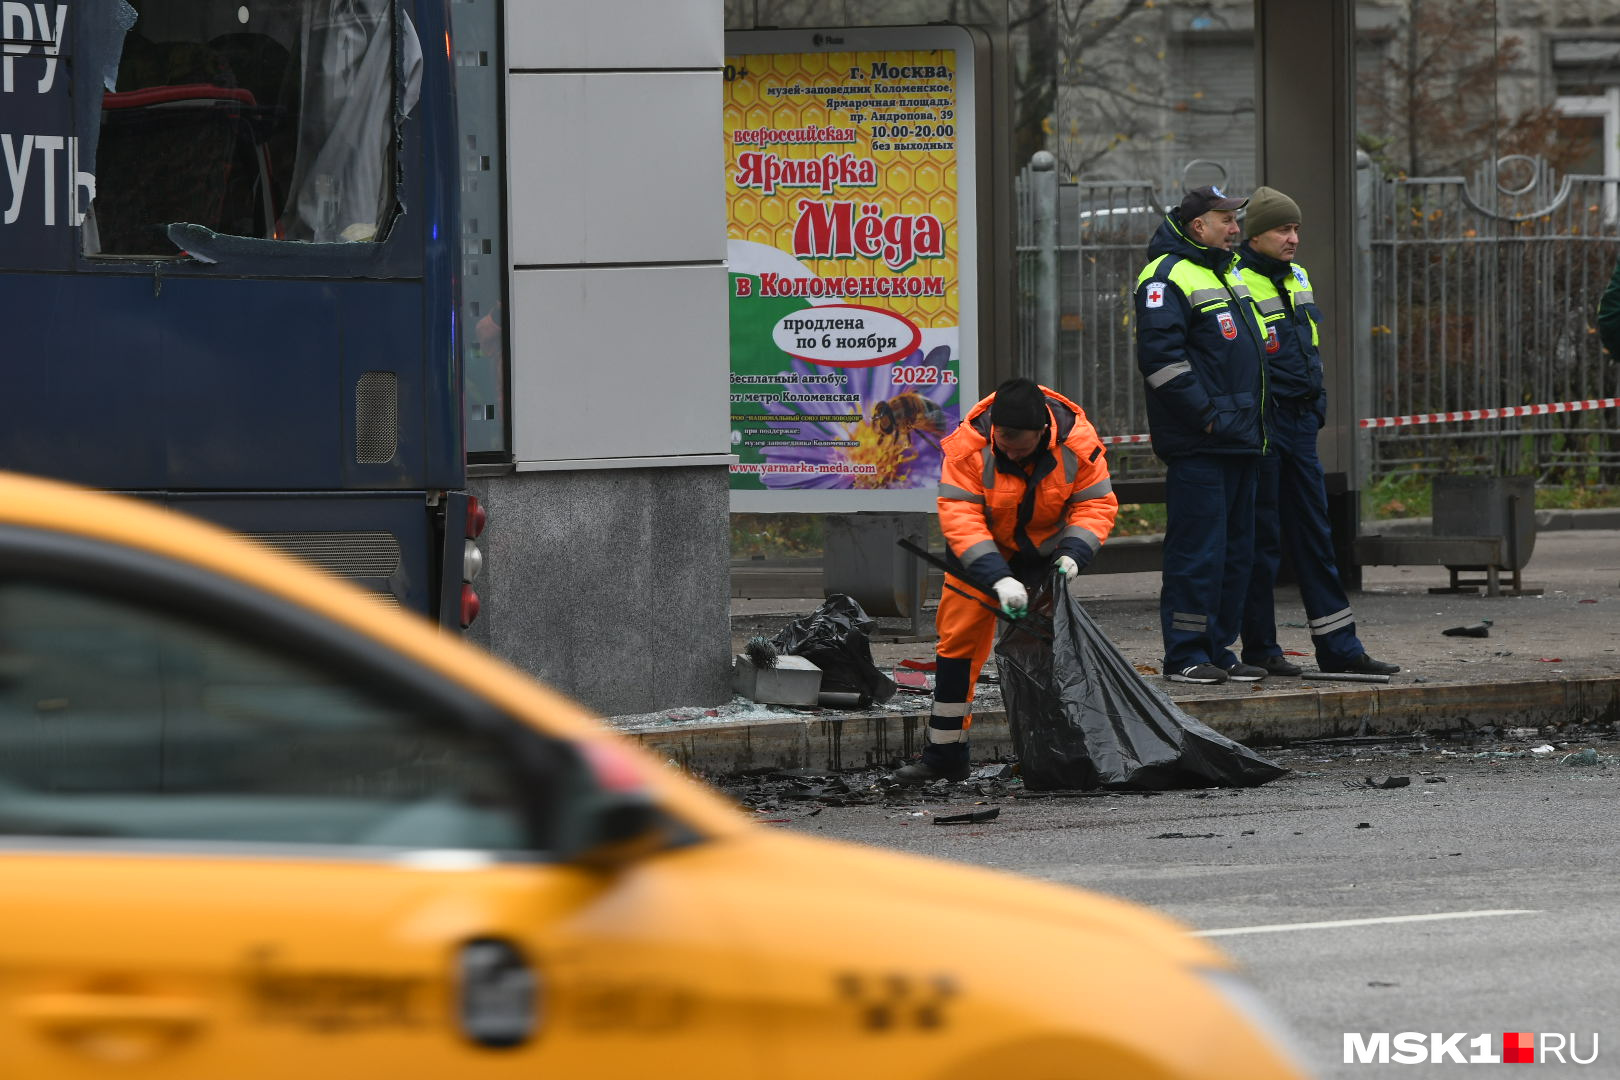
967,631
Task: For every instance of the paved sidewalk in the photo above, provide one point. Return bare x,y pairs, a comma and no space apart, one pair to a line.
1549,659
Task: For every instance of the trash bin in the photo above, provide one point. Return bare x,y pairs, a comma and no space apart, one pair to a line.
1503,506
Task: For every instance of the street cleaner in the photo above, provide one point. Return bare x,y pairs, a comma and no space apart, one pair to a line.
1024,493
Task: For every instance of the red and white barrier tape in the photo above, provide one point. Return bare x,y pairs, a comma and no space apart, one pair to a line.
1489,414
1506,412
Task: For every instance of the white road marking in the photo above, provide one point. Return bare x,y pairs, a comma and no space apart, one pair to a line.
1279,927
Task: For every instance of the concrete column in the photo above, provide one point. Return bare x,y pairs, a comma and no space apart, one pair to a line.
1043,178
611,585
1305,98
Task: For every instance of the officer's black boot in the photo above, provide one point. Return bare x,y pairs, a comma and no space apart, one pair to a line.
940,761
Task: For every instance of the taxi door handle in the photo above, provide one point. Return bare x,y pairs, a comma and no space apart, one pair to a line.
89,1010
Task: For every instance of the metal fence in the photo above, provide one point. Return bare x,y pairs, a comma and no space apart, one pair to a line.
1474,294
1485,294
1101,235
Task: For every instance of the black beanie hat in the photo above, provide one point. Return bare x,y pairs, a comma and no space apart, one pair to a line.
1019,403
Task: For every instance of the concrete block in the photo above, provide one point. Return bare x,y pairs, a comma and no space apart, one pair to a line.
792,680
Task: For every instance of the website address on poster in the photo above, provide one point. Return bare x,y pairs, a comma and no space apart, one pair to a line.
806,467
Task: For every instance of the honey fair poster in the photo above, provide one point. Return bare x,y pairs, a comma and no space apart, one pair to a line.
845,296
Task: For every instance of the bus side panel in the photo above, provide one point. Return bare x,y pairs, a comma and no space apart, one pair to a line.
81,380
433,141
131,382
251,383
382,338
384,541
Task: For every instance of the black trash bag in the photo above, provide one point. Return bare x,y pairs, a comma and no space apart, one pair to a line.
1082,717
833,637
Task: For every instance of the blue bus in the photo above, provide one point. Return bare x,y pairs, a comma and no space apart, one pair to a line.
230,261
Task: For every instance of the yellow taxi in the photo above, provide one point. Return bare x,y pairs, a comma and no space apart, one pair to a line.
254,825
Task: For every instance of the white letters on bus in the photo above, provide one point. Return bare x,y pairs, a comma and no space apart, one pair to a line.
27,30
21,152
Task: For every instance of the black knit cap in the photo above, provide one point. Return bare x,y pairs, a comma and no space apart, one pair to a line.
1020,404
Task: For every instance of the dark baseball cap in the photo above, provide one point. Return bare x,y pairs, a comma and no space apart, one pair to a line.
1200,201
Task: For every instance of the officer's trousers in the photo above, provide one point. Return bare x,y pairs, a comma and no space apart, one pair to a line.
1291,513
1208,556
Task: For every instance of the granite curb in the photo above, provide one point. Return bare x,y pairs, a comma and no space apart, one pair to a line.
865,740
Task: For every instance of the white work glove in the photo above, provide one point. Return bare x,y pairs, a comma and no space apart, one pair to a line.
1067,567
1014,600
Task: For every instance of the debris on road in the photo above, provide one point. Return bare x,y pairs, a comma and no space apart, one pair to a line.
1389,782
1096,794
1588,757
1347,677
1185,836
913,682
1479,629
835,638
976,817
760,673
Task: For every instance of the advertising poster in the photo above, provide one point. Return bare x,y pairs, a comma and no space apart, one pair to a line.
849,187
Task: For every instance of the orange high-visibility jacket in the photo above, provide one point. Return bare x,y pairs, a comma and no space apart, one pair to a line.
996,513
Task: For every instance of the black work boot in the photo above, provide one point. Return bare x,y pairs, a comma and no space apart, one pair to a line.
1279,665
940,761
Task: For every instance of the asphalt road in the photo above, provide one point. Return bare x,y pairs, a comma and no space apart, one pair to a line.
1531,835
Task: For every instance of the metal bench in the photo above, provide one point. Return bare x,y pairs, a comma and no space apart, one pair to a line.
1481,524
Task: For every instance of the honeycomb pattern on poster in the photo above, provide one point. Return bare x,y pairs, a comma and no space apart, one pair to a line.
909,181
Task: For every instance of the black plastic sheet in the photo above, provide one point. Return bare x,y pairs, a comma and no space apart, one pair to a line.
834,638
1082,717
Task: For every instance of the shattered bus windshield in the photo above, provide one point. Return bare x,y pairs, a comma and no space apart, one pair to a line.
273,120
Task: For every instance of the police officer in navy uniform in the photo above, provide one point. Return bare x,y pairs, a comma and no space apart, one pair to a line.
1200,348
1291,498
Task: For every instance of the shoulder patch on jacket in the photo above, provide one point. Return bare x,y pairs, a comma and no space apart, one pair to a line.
1155,294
